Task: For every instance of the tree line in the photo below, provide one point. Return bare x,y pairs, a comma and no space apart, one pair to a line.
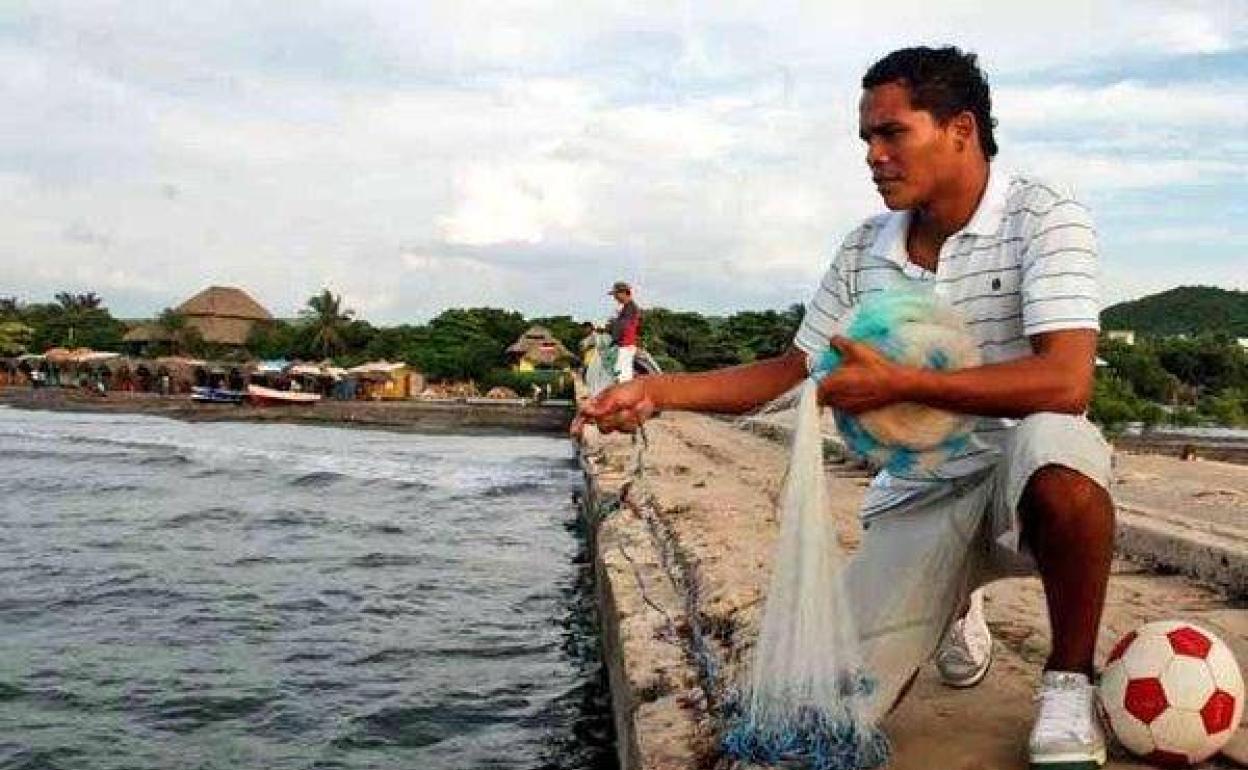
1178,380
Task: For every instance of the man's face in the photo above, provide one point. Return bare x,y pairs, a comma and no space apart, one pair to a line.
910,154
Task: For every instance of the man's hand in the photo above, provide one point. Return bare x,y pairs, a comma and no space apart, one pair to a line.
619,408
865,380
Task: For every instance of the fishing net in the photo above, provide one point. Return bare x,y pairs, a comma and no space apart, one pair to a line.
600,373
807,699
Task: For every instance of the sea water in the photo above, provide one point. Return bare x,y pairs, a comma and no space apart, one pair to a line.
229,595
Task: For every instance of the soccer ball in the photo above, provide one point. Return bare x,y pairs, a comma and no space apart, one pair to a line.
1172,692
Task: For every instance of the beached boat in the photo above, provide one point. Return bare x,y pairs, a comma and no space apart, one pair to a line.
205,395
262,396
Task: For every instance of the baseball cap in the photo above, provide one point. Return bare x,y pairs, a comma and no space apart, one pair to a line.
620,286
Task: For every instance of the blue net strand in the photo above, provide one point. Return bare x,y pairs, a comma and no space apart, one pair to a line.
815,738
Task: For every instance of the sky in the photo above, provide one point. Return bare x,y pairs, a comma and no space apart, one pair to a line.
417,156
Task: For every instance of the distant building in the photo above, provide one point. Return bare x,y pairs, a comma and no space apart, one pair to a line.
1118,335
537,348
223,315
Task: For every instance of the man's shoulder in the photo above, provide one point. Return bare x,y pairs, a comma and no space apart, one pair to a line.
1028,193
862,236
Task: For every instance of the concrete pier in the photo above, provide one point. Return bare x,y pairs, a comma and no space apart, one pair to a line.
682,553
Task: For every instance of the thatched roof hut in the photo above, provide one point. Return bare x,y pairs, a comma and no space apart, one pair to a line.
224,315
146,333
537,347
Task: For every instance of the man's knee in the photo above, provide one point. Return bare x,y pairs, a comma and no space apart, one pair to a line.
1061,497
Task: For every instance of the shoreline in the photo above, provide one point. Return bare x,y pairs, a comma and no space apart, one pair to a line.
476,417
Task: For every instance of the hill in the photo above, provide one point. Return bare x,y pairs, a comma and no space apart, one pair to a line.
1185,310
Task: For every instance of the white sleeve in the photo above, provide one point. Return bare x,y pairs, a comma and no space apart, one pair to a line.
826,310
1059,278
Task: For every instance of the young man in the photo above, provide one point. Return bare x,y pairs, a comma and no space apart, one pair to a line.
1018,258
625,330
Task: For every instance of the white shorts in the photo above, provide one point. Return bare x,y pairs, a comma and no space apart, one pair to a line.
922,556
624,362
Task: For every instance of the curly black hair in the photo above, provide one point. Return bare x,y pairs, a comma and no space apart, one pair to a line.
944,81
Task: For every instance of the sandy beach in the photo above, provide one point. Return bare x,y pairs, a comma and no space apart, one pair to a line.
685,560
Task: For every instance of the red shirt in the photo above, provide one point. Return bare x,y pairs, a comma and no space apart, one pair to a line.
626,327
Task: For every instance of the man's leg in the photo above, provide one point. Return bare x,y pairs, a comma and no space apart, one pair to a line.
624,363
1068,525
909,577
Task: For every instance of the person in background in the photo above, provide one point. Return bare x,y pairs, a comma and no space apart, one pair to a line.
625,330
588,345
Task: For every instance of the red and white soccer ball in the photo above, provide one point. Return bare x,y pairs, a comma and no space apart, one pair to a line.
1172,692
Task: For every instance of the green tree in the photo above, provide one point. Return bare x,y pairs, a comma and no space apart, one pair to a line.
1114,404
15,338
1229,408
690,338
1139,365
325,322
75,309
73,320
273,340
761,334
184,339
464,343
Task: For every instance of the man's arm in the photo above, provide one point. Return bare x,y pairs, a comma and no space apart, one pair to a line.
733,390
1057,377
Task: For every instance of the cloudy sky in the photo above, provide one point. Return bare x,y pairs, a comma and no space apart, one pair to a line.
416,156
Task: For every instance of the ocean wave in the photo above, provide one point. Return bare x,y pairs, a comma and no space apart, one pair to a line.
215,513
317,479
372,560
191,712
425,725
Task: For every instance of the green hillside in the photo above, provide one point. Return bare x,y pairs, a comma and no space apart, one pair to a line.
1186,310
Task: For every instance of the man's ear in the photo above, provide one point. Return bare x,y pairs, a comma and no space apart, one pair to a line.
964,128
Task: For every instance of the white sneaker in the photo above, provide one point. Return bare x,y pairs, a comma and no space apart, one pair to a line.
966,651
1066,735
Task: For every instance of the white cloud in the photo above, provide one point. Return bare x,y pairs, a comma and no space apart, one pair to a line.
515,202
1207,106
533,152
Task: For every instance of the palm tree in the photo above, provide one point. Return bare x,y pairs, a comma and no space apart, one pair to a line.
74,308
326,319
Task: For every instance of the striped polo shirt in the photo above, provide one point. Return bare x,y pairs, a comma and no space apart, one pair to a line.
1025,264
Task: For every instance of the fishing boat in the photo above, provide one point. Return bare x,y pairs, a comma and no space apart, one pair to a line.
262,396
205,395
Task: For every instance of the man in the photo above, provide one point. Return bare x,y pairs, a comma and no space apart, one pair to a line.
625,330
1017,257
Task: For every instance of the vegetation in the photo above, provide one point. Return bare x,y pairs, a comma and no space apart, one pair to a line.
183,338
1176,380
1180,380
1190,310
326,323
15,338
71,320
